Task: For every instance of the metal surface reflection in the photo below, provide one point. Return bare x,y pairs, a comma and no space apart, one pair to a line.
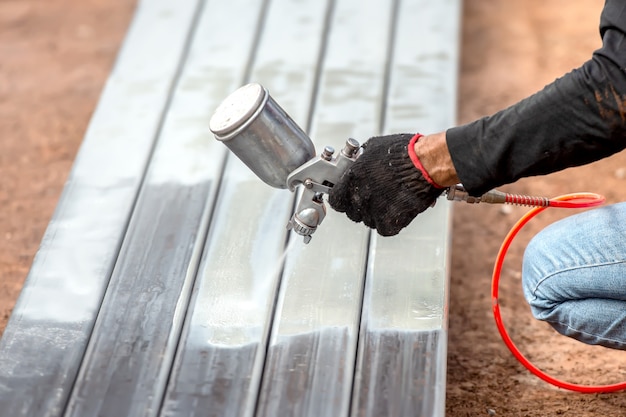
205,303
61,297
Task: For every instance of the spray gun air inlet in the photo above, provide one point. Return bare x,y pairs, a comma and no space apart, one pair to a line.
458,193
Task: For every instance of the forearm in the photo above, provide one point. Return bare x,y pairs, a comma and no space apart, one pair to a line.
575,120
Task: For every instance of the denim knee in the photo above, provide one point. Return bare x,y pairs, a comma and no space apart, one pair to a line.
535,267
574,276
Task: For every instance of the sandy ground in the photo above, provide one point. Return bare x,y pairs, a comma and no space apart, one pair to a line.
56,57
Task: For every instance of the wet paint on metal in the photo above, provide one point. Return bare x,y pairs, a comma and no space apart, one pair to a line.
403,340
219,364
401,363
46,337
127,354
406,379
219,361
310,359
133,347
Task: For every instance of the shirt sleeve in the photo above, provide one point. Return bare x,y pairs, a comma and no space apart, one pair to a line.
577,119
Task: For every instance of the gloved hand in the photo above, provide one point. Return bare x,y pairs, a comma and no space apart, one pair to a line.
385,188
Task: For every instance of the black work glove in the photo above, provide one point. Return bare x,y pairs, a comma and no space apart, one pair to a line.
384,188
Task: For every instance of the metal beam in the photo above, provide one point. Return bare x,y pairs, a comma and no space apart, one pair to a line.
45,339
401,366
311,355
221,356
211,307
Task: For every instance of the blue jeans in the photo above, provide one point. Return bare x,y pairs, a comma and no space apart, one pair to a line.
574,276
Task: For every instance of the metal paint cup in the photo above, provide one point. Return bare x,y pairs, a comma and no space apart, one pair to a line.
256,129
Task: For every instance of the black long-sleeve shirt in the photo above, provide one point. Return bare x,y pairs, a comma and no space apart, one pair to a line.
577,119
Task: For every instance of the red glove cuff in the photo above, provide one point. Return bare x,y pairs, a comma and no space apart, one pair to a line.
417,163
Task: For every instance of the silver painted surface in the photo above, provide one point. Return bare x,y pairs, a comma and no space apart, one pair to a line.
130,355
270,328
45,339
310,359
401,365
220,360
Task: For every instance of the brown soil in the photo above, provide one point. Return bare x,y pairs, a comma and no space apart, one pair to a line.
57,55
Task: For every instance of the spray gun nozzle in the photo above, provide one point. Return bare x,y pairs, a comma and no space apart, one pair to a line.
305,222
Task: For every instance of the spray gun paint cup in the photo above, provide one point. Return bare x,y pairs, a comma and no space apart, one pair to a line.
256,129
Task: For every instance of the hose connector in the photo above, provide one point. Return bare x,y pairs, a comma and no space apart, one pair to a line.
458,193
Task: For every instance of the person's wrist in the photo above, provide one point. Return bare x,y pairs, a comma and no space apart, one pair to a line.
417,163
432,151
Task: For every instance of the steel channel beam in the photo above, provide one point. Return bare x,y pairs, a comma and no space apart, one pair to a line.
311,355
221,350
130,354
340,68
401,365
45,339
220,361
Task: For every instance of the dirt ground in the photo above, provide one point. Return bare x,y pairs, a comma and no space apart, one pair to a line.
56,57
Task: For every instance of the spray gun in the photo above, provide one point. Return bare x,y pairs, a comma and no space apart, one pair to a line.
256,129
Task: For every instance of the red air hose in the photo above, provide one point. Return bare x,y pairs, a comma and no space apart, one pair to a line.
578,200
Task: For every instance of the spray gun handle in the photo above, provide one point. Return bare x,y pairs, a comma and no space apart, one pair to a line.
318,176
